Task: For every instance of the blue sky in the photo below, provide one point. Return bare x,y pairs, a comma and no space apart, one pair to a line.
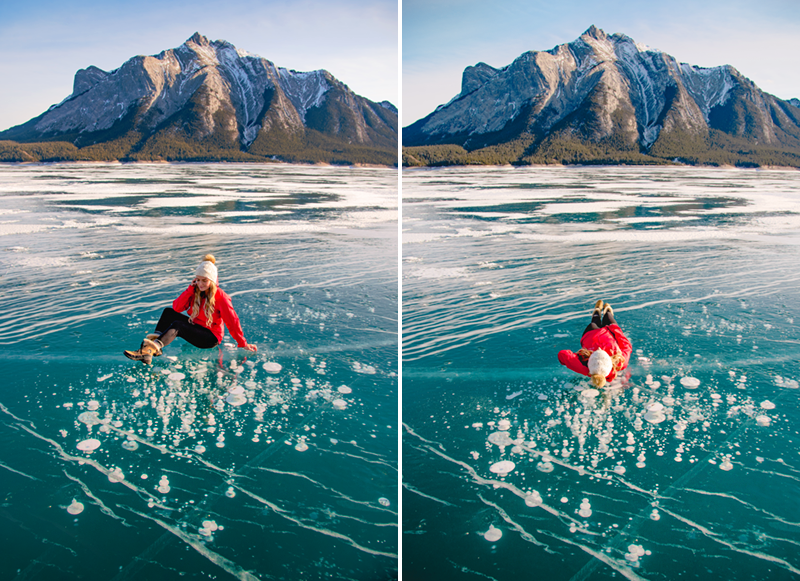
43,43
442,37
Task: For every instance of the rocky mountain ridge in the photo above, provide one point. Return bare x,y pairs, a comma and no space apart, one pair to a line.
605,98
210,99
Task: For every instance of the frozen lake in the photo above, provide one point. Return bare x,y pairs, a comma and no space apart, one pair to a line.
210,463
689,468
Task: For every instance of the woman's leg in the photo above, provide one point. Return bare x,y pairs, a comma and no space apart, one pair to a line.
197,335
173,324
596,320
608,318
167,326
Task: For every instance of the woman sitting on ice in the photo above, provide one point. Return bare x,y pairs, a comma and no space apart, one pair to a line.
209,308
605,350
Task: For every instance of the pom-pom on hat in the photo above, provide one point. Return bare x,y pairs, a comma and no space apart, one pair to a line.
600,363
207,268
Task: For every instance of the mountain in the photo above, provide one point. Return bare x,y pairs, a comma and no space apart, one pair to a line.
606,99
208,101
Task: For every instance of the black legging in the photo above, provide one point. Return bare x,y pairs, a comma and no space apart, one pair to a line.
597,323
173,324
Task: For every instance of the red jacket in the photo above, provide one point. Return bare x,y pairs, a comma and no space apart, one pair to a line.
610,339
223,313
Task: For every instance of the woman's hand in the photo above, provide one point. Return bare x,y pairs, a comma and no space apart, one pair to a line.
250,347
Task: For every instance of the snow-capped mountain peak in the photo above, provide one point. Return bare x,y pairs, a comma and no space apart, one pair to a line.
210,90
604,88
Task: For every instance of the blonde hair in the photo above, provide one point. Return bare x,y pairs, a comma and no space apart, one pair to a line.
598,380
210,296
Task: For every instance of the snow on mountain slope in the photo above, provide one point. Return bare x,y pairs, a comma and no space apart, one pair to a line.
221,88
600,86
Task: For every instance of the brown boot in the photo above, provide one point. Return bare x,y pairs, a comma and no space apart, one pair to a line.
145,353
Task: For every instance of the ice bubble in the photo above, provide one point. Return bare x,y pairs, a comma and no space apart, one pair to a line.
716,396
296,380
272,367
654,515
236,399
92,405
209,526
236,390
130,445
176,376
655,407
542,396
75,508
116,475
586,508
163,487
763,420
500,439
655,417
384,501
502,468
589,393
503,425
513,395
89,418
301,447
690,382
726,465
88,445
492,534
544,467
366,369
344,389
619,469
634,551
767,405
339,404
533,499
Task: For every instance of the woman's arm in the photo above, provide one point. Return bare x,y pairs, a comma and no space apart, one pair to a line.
623,342
231,320
184,301
571,361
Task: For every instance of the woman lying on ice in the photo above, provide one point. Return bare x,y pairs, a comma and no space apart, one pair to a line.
605,350
209,308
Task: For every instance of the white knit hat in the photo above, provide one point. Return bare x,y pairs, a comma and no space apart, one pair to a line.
600,363
208,270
